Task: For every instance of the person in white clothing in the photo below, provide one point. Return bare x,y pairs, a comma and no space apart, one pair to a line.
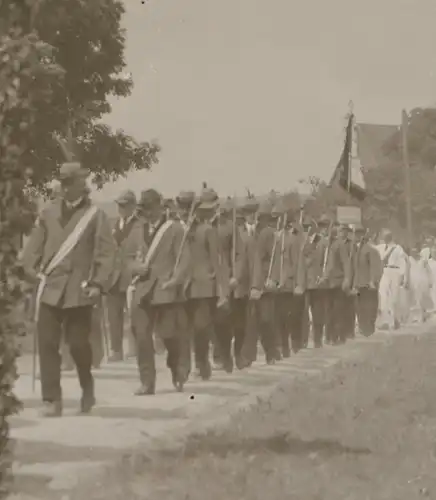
421,281
394,279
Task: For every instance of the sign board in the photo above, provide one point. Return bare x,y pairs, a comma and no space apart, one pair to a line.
349,215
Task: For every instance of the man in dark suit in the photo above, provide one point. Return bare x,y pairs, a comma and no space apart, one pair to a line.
72,248
129,239
157,305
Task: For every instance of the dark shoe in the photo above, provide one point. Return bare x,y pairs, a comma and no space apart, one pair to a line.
87,403
51,409
286,353
144,390
178,379
228,366
242,363
206,371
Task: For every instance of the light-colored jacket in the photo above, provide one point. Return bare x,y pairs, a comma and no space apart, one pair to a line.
91,260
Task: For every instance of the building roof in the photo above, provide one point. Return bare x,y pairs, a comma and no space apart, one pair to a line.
371,139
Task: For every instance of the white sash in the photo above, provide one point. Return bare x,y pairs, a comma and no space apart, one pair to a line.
65,249
150,254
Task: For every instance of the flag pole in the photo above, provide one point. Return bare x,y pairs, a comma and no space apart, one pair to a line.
407,186
350,119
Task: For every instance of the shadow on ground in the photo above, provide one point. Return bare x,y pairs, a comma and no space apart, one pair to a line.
280,444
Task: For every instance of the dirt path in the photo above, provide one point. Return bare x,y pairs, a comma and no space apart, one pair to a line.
363,430
356,422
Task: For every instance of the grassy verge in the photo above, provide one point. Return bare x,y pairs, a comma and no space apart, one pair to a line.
365,430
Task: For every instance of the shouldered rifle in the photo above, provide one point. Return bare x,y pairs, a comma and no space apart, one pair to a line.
274,249
326,253
189,223
282,249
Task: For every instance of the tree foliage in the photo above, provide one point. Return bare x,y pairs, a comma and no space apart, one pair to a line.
60,61
421,139
82,44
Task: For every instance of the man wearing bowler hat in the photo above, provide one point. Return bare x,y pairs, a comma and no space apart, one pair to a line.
128,234
70,255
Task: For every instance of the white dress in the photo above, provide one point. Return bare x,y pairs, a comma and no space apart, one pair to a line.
421,280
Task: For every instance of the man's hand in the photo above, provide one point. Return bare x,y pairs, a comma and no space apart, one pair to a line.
270,285
255,294
233,283
143,271
222,302
372,285
298,290
92,292
345,286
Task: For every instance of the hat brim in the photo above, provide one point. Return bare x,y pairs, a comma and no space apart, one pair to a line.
207,205
184,202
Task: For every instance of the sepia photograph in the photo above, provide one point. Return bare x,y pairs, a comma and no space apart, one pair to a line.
217,250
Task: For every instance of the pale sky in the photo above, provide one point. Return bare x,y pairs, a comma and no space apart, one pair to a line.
254,93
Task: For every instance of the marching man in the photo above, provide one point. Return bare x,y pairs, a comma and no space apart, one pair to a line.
72,247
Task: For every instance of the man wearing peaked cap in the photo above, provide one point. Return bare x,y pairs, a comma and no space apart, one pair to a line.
128,234
66,301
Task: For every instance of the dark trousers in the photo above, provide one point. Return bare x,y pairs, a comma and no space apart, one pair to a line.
76,323
170,323
350,315
317,302
229,328
96,339
298,309
116,301
367,308
283,304
260,324
336,322
201,314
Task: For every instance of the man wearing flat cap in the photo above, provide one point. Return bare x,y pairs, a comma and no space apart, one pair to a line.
158,296
70,256
128,234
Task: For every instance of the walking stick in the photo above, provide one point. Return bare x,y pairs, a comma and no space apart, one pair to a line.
35,343
103,322
34,357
